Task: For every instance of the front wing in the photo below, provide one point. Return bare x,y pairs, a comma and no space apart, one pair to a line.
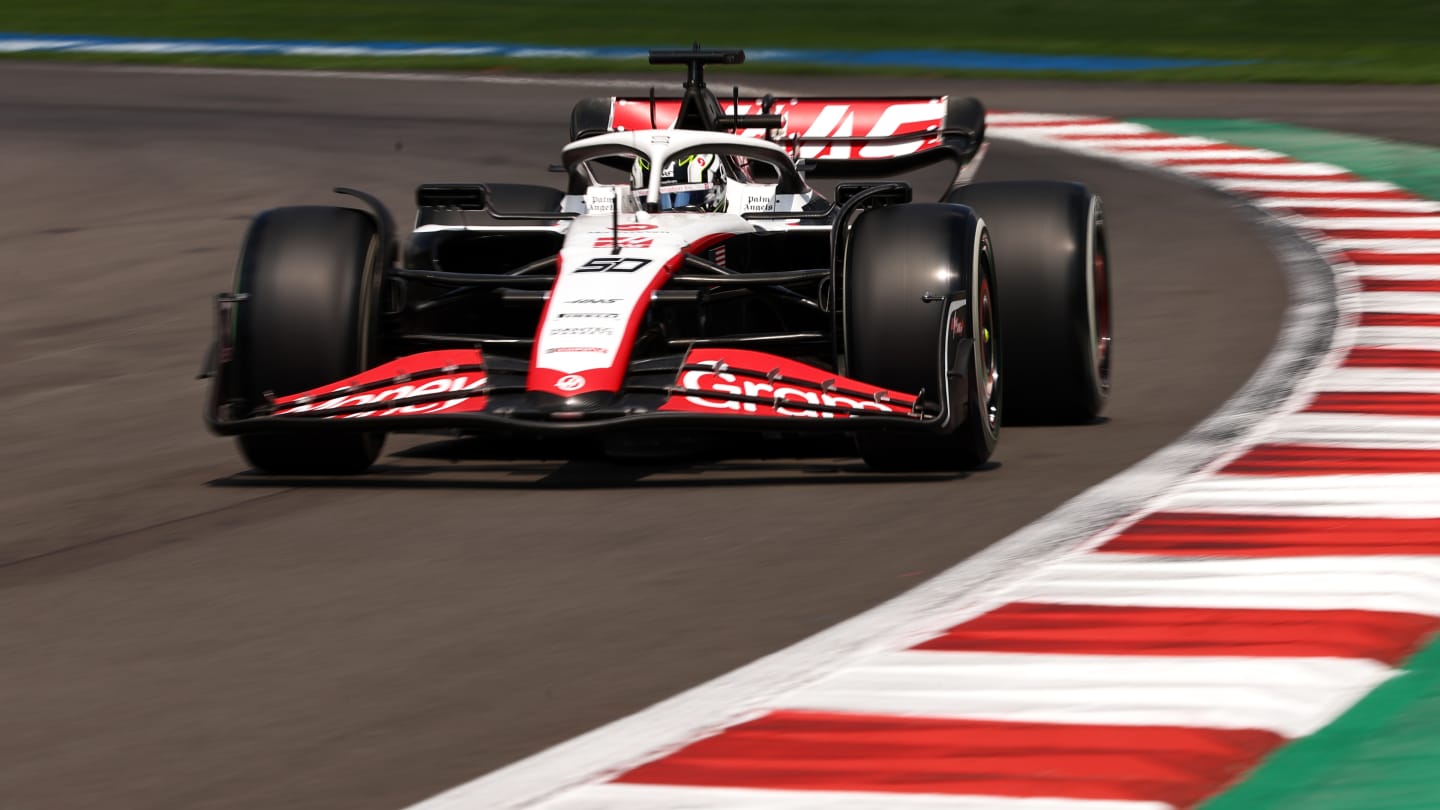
459,389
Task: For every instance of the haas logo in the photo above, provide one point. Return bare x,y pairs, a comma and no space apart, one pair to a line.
570,382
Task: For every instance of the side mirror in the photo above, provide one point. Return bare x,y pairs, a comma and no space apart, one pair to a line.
886,193
459,196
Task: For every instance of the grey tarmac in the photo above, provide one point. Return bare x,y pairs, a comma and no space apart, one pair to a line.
181,633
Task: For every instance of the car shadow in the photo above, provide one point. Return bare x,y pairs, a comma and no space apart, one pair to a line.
488,464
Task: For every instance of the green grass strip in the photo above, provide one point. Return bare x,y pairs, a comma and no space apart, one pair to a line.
1288,40
1409,166
1383,754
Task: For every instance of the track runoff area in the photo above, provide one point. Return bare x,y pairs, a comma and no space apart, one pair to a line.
1278,564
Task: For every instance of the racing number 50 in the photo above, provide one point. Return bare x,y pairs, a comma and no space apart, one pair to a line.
611,264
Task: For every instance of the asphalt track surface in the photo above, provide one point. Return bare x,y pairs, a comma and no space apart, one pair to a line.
180,633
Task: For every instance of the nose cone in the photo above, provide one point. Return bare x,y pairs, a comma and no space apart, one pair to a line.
556,406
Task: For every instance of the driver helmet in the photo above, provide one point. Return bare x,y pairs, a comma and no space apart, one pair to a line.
688,183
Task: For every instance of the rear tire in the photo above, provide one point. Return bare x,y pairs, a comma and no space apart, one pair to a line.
311,276
895,338
1050,244
590,116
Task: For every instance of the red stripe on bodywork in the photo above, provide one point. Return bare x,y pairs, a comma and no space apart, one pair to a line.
427,375
1385,403
1370,357
794,750
1399,319
1373,284
1300,459
1221,535
1105,630
612,377
1386,257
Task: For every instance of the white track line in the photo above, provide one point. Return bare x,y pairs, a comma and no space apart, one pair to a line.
1404,584
670,797
1044,132
1370,223
1391,245
1404,303
1010,119
1280,187
1403,495
1357,431
388,76
1293,171
1163,156
1289,696
1411,272
1398,206
1399,337
1383,380
1081,140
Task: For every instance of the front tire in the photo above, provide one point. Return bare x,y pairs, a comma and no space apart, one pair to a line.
921,309
310,276
1050,242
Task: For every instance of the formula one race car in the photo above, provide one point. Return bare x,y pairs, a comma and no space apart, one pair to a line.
687,278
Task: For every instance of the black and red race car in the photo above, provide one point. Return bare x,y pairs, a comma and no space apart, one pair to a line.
688,277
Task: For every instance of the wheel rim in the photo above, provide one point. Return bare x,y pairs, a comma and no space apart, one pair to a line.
988,353
1100,281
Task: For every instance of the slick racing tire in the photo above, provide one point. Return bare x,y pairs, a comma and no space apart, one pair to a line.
507,198
1050,247
311,280
920,310
590,116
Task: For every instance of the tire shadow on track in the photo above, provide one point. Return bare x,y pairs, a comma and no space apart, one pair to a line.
581,475
637,462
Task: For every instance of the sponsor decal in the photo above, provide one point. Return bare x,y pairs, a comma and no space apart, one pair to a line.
612,264
584,349
396,394
594,301
636,226
603,199
570,382
602,315
582,330
624,242
794,396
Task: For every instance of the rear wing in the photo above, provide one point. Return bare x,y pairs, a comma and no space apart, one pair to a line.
838,137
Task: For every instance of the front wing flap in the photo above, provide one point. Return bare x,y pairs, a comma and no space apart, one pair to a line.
706,387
